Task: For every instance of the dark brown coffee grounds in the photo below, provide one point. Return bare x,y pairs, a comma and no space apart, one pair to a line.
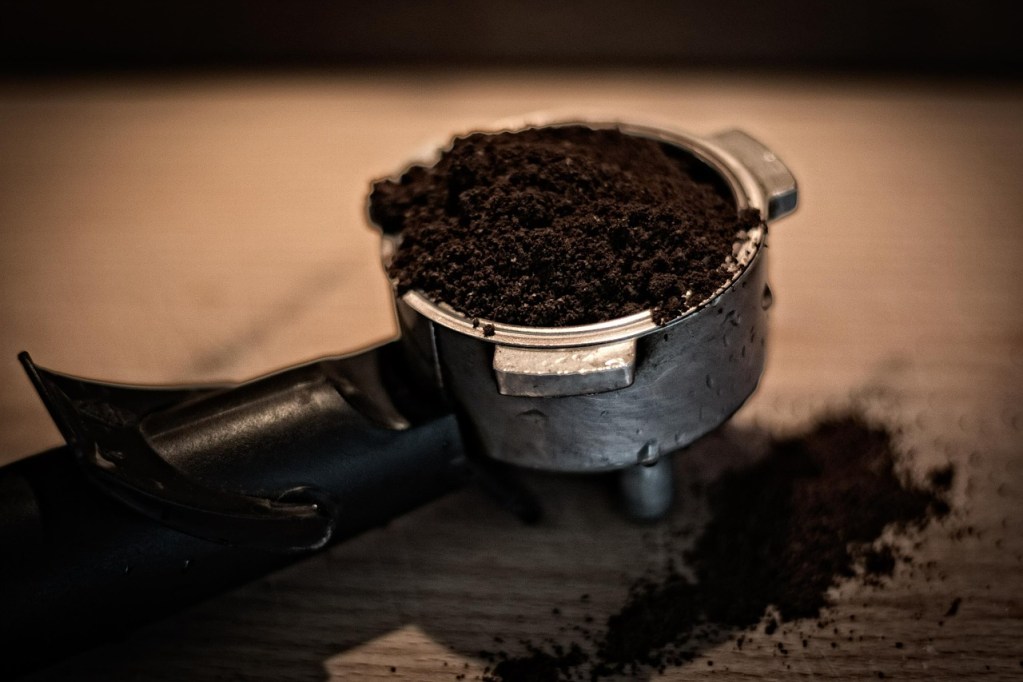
561,226
781,534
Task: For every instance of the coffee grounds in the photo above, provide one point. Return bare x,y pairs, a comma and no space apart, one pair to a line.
561,226
781,533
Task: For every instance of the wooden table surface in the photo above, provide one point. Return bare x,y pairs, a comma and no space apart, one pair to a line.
206,228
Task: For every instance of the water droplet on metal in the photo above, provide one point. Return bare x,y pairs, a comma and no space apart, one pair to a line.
767,300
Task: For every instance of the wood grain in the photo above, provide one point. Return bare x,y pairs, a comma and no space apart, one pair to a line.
195,229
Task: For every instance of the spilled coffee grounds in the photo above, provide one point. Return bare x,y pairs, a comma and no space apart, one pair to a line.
561,226
782,532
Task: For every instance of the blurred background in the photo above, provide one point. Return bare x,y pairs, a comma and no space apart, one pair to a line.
941,37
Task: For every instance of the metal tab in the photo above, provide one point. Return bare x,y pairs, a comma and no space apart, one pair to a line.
774,178
540,373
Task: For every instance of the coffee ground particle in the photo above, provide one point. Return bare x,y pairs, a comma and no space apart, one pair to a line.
561,226
781,534
879,563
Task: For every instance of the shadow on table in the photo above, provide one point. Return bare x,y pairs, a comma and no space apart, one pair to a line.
473,579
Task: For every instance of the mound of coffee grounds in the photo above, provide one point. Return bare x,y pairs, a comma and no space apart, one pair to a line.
781,533
561,226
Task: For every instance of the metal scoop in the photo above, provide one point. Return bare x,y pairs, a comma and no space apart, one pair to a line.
158,478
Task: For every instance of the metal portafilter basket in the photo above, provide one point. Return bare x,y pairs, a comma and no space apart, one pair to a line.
622,394
165,495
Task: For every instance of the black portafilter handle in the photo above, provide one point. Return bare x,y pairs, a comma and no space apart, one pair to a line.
163,497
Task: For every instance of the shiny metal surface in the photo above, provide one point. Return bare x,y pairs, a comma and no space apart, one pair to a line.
648,489
776,182
690,376
550,372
